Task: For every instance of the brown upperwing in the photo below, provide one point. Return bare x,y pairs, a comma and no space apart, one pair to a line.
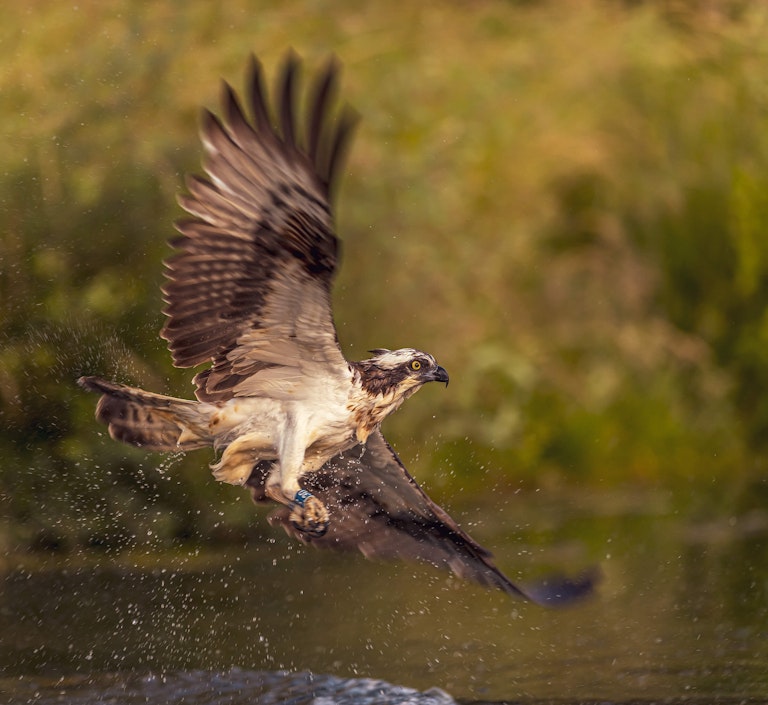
249,286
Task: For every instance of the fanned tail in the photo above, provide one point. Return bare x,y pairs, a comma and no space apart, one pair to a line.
149,420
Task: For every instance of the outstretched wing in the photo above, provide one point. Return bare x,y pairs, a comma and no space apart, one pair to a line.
378,508
249,286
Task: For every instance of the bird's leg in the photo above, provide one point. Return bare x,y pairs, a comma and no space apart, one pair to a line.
308,513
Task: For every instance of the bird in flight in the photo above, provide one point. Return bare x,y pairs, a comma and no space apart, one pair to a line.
248,293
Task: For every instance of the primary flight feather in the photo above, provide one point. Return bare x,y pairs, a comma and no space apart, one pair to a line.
248,292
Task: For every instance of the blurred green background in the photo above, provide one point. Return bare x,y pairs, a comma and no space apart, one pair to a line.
564,202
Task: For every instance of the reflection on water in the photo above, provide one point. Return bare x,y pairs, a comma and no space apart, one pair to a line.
682,614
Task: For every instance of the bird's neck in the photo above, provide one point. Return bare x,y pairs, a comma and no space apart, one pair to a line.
376,395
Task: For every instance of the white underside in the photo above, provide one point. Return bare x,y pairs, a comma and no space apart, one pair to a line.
301,436
301,426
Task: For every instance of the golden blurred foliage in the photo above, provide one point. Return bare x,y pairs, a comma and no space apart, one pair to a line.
564,202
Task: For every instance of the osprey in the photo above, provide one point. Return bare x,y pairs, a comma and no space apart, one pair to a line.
249,293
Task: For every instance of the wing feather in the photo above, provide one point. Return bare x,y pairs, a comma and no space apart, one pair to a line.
257,98
248,287
286,98
338,147
323,93
379,509
208,205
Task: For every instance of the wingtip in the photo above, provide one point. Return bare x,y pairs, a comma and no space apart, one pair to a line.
254,65
227,95
346,125
291,60
562,591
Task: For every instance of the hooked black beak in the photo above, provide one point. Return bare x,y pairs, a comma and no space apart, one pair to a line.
439,375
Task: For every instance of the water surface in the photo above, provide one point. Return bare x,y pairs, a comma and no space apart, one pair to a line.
681,616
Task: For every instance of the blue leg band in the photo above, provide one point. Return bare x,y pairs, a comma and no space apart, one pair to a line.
301,497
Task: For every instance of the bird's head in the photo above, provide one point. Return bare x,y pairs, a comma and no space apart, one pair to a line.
399,372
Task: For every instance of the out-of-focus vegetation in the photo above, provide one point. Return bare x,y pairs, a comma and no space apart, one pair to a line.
565,202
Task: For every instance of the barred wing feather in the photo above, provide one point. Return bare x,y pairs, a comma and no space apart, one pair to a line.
248,288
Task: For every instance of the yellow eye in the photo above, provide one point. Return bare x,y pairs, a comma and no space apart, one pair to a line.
415,365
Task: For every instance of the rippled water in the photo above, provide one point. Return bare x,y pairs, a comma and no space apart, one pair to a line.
682,616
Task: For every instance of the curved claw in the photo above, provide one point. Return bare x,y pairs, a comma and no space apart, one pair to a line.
309,515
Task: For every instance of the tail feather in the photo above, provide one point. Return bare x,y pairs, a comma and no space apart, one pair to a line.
149,420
